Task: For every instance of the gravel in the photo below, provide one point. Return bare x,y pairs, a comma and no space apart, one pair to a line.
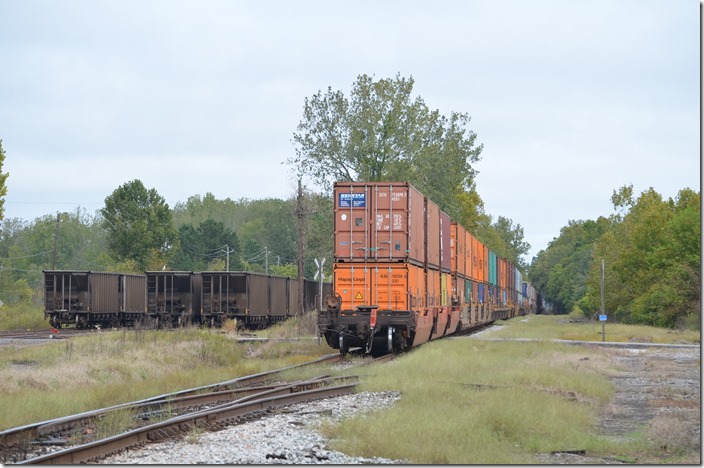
289,436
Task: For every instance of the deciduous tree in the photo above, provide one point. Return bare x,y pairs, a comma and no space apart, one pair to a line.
383,133
3,180
139,225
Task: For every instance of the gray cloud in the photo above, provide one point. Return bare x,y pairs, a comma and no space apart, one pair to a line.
570,99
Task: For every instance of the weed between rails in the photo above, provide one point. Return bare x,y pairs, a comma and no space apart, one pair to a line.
108,368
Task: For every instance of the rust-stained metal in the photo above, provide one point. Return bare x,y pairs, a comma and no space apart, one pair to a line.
240,386
223,414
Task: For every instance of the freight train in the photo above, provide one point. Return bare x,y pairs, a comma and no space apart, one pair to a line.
404,273
86,299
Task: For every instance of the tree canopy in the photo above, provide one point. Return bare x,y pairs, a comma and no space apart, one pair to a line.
651,250
202,248
382,133
139,226
652,258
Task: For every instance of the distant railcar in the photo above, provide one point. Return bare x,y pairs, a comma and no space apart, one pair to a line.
173,297
86,298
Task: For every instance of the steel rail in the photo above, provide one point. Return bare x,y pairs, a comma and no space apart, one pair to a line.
23,434
224,414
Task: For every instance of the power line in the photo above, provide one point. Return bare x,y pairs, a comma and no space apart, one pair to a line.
28,256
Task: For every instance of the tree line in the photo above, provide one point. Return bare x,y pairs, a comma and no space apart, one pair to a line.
651,252
379,132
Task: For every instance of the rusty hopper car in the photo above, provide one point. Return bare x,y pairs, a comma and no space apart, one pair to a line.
254,300
132,296
85,298
235,295
173,297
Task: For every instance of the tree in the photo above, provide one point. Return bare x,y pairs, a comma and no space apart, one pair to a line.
3,187
381,133
512,237
199,247
139,225
652,260
560,271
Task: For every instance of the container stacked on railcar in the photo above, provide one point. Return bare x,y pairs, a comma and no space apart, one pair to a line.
404,273
391,271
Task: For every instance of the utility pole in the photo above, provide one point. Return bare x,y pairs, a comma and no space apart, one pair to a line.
56,241
300,215
603,317
227,251
266,259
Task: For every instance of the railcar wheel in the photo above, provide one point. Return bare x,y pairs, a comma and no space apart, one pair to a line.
344,348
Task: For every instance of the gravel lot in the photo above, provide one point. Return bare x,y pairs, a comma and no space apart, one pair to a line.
656,388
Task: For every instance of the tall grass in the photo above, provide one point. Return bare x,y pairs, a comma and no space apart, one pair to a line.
22,317
64,377
468,402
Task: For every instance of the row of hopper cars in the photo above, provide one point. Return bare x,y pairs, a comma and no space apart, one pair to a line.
404,273
88,299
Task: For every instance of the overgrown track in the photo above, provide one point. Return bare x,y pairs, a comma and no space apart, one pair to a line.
175,413
43,334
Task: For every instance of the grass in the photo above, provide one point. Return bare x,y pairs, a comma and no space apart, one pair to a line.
46,381
564,328
505,402
23,317
464,409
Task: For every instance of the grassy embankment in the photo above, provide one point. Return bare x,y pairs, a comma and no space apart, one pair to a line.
468,401
463,401
45,381
564,327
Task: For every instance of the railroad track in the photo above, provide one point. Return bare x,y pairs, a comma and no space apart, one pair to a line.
43,334
155,418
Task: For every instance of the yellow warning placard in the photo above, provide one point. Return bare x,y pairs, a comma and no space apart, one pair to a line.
358,296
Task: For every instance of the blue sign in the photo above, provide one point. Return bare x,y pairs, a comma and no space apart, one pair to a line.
354,200
602,318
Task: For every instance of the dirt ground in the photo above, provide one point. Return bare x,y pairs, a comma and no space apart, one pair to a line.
657,394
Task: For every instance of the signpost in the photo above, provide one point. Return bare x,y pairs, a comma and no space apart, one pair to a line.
321,275
602,317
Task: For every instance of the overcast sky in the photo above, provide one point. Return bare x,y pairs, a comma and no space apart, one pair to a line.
571,99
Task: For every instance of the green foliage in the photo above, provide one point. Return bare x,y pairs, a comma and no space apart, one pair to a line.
560,271
28,248
266,229
21,314
503,238
652,257
3,183
200,247
139,225
382,133
651,253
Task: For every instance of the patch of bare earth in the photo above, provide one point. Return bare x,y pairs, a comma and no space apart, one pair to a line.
657,398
